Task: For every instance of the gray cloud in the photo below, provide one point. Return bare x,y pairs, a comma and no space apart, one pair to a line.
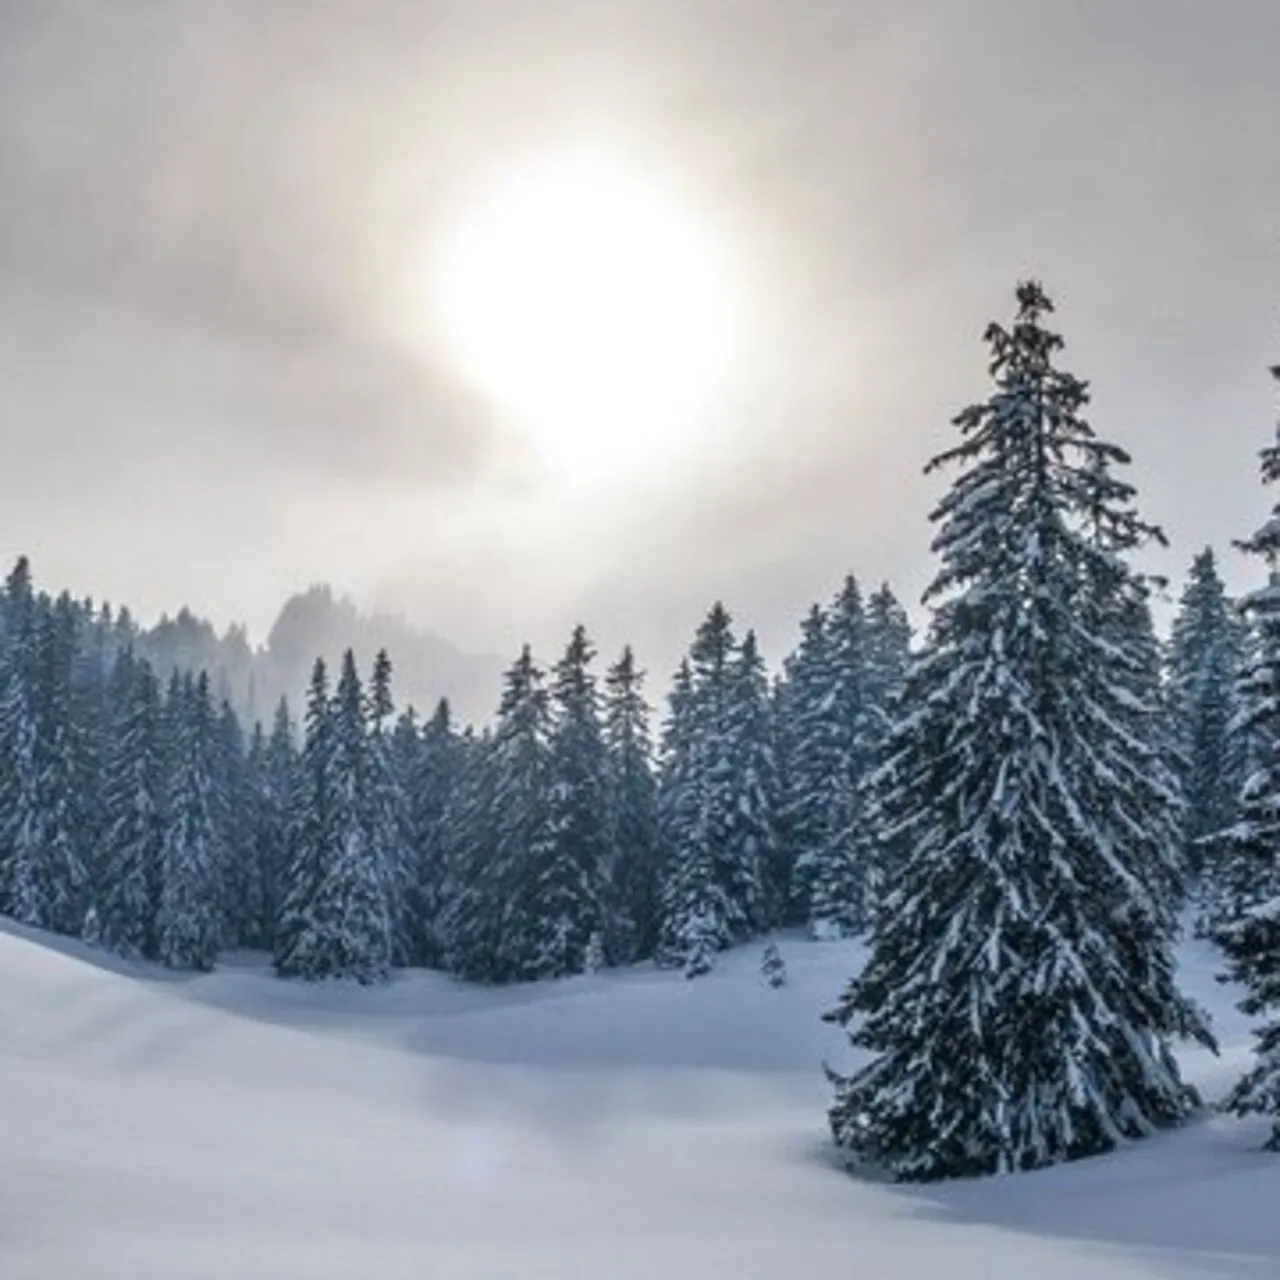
212,212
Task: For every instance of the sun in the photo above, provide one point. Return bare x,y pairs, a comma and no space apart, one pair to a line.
592,308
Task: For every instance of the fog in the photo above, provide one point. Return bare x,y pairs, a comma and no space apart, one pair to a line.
216,386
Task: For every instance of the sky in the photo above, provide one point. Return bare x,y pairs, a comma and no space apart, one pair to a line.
219,382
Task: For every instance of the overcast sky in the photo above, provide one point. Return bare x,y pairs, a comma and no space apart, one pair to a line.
210,213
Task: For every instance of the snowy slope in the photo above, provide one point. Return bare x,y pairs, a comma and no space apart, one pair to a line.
631,1125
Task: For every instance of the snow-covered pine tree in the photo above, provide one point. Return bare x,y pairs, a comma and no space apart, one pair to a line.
275,782
89,714
753,857
888,656
49,875
190,915
1206,652
391,831
837,874
568,899
21,811
472,901
1252,941
234,802
807,745
133,791
431,763
522,834
1018,997
697,916
635,858
310,830
501,839
346,927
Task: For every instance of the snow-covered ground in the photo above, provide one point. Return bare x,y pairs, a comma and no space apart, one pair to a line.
627,1125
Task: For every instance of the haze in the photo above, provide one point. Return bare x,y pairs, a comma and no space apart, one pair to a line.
215,387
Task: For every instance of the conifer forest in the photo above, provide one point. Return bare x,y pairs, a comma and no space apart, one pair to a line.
1020,808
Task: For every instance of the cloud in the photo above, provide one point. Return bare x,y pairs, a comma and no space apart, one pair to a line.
218,382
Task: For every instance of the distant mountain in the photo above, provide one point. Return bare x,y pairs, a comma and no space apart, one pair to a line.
316,623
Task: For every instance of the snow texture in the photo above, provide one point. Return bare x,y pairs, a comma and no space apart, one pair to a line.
620,1125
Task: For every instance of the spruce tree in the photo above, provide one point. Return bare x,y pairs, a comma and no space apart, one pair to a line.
501,839
340,911
391,817
310,831
133,844
1019,997
190,918
1205,654
838,872
753,850
808,763
693,914
472,900
275,781
1252,940
631,931
569,895
20,753
433,762
47,873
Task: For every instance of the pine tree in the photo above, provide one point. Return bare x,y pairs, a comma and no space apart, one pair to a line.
1205,654
809,753
432,763
234,801
1019,995
337,921
698,917
838,872
190,917
1252,941
753,851
133,845
472,898
493,926
310,828
568,900
47,874
20,799
631,931
276,783
391,816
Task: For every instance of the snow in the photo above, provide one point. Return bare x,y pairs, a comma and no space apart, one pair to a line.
606,1127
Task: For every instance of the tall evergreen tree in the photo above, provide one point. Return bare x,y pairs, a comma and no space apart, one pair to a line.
494,928
569,895
310,830
133,846
716,800
754,853
48,877
433,767
808,760
20,753
1252,941
190,919
390,814
634,870
1019,995
1205,655
339,910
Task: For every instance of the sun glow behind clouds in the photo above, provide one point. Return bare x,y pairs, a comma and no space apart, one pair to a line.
592,309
